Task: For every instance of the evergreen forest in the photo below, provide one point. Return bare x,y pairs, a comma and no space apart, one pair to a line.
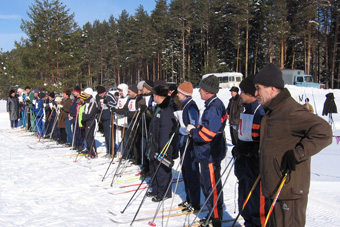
179,40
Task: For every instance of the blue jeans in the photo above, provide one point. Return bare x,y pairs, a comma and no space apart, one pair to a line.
69,134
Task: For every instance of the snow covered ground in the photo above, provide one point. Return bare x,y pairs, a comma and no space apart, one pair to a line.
41,185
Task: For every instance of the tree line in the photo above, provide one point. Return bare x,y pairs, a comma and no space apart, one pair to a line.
180,40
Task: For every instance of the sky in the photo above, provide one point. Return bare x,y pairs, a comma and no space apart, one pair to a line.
12,11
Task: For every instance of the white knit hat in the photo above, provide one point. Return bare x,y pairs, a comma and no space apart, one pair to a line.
88,91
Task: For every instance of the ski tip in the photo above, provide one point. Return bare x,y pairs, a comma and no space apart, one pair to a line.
152,223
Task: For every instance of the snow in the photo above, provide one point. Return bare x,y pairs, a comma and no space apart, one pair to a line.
44,186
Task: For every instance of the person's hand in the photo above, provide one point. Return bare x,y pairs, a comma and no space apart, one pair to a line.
189,128
83,122
113,109
288,162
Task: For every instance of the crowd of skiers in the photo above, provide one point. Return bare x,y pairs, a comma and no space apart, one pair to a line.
152,124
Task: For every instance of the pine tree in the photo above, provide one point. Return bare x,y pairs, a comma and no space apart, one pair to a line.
51,43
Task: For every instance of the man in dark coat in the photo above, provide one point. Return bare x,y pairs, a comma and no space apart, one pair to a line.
106,101
89,120
290,135
234,109
161,127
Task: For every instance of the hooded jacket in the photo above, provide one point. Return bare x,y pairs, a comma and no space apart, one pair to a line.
287,125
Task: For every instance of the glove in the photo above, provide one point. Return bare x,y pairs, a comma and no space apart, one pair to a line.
189,128
235,152
83,122
105,101
113,109
98,110
143,108
175,126
60,106
288,161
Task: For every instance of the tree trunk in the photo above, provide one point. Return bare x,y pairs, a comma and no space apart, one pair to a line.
247,43
335,49
183,50
256,51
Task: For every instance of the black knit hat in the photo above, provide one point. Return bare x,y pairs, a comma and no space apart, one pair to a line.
210,84
161,90
133,87
270,75
247,85
41,95
233,88
100,89
52,95
148,84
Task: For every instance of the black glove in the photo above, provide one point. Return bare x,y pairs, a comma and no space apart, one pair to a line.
235,152
143,108
113,109
288,161
175,127
83,122
105,101
98,110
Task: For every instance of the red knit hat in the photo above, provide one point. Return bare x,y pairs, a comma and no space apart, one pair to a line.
186,88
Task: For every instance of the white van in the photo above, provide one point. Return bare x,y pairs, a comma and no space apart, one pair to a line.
227,79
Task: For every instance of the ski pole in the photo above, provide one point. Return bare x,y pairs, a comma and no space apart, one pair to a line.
179,174
276,197
219,194
119,163
75,126
151,182
55,122
246,201
316,112
206,200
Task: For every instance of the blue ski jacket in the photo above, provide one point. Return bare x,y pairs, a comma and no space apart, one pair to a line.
209,139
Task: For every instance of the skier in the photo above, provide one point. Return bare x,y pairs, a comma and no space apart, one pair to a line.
247,157
161,126
89,120
190,169
290,135
107,101
210,147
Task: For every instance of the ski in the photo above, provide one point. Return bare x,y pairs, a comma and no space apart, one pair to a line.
146,212
131,185
223,221
132,190
162,216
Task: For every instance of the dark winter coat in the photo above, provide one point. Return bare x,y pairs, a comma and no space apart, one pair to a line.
64,112
234,109
109,102
161,129
209,139
13,108
287,125
329,105
89,114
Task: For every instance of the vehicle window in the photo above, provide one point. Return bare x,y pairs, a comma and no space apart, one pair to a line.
308,79
238,79
299,79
